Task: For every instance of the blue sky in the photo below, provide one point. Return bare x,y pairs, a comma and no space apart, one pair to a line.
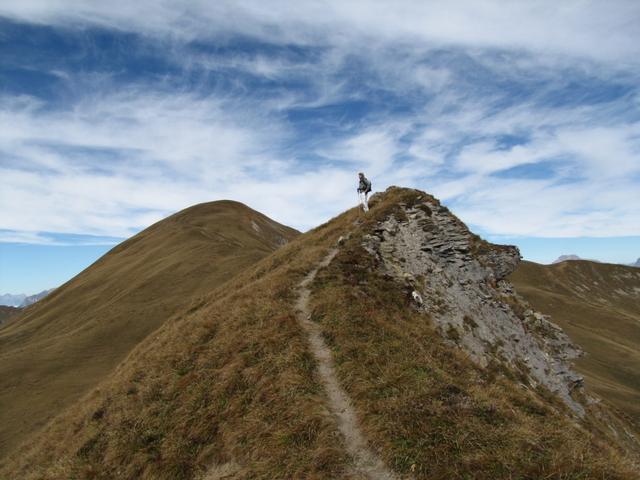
112,116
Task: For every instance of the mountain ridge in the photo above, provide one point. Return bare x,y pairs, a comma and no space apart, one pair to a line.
230,386
12,300
22,300
31,299
573,257
61,346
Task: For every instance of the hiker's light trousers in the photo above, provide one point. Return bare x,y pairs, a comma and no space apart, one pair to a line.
364,200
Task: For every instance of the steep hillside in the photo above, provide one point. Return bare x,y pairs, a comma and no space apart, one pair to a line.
6,312
62,346
383,346
598,305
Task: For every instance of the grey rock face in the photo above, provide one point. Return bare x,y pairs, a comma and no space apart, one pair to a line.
459,280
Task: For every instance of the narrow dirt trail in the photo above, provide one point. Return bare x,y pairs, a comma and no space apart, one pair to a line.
366,463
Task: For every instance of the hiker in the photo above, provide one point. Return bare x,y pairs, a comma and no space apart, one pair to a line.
364,187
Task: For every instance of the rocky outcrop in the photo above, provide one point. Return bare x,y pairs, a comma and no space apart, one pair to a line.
459,280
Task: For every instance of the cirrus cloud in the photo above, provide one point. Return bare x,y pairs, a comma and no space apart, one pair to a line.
525,123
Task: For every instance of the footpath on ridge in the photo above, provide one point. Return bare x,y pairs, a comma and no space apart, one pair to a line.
366,462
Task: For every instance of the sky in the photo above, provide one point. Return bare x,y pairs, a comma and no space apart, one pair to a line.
522,117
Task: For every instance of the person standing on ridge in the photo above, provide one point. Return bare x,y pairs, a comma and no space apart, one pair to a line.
364,187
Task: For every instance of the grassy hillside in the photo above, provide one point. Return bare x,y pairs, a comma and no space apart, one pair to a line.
598,305
62,346
7,312
229,389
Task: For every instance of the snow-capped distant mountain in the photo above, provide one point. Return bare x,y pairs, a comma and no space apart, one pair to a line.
564,258
34,298
12,300
22,300
637,264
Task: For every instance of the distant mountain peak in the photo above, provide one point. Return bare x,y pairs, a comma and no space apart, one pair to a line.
11,300
22,300
564,258
31,299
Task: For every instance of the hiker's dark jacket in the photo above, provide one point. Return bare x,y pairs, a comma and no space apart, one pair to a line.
365,185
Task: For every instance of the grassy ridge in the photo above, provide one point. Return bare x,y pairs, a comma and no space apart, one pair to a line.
62,346
426,407
228,385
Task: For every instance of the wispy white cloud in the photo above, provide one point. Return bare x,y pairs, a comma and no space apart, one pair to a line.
592,29
539,208
466,75
373,150
37,238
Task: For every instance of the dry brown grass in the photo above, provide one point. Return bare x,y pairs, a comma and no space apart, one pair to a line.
426,407
230,385
597,317
61,347
229,381
7,312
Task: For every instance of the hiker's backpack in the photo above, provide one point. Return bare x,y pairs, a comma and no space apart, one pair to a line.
368,189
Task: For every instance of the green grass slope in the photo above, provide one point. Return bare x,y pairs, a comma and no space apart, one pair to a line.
229,389
61,347
598,305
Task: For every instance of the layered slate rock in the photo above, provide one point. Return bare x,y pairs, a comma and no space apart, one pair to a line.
459,280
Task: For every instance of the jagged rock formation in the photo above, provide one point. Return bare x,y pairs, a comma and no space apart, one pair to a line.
459,280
